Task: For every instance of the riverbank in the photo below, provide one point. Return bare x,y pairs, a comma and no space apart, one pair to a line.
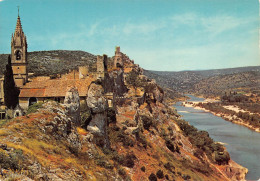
241,143
227,117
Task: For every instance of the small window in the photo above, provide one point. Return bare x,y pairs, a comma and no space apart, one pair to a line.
18,55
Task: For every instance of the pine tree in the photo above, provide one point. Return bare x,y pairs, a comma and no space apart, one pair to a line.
11,92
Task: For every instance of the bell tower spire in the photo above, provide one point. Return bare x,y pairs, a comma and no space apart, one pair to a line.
19,54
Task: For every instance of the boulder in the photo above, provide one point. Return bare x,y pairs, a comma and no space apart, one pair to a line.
72,105
96,100
98,106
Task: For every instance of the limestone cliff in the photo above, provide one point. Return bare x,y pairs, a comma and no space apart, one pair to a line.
136,136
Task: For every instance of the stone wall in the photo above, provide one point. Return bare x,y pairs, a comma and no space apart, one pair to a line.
83,72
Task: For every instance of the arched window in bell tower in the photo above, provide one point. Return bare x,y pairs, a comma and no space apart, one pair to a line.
18,55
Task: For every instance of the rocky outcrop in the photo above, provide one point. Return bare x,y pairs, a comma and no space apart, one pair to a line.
235,171
62,127
72,104
154,92
98,106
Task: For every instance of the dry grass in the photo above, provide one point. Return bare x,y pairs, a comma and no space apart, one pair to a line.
3,132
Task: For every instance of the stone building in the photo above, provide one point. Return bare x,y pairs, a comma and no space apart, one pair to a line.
19,55
101,66
39,89
118,59
83,72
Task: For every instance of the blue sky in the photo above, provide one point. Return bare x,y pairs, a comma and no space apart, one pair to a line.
168,35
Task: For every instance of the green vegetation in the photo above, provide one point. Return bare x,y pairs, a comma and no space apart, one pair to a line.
252,119
4,121
54,62
34,108
203,142
11,92
160,174
148,122
118,135
11,160
209,82
152,177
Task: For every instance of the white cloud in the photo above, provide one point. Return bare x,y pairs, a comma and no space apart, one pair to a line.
176,41
213,25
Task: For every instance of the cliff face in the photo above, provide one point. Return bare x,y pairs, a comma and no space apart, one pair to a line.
139,137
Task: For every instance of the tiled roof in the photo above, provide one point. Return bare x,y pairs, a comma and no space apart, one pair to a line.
54,88
32,93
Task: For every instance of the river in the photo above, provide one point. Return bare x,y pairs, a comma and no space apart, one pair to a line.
242,143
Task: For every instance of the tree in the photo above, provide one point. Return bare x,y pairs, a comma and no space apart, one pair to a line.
11,92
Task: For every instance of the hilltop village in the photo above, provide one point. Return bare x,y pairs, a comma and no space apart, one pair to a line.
104,121
36,89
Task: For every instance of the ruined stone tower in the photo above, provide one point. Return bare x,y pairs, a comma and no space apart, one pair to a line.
101,66
118,60
19,55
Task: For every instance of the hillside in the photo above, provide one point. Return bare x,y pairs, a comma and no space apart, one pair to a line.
53,62
244,82
138,138
207,82
176,83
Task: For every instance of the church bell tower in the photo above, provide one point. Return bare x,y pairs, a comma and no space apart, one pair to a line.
19,55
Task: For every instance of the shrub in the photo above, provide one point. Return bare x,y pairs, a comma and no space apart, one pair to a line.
117,135
222,157
152,177
148,122
122,172
116,157
34,108
11,160
198,153
143,168
85,118
169,166
186,177
101,161
129,160
141,138
160,174
170,145
111,114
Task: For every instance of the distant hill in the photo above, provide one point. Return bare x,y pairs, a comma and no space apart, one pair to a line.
53,62
200,82
241,82
207,81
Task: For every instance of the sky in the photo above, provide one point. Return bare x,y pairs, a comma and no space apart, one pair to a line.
166,35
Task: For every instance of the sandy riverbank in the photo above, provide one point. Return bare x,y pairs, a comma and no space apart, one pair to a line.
227,117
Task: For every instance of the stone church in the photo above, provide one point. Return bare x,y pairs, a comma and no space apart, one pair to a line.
41,88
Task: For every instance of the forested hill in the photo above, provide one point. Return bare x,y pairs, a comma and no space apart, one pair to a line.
207,81
53,62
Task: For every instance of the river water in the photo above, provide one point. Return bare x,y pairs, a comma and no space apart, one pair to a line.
242,143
